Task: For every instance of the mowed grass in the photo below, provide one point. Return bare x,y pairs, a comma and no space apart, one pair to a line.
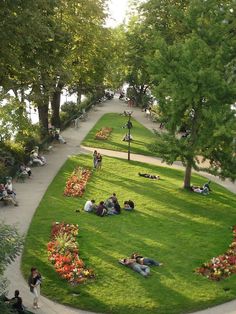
176,227
142,136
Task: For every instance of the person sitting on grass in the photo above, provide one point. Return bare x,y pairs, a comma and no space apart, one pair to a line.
90,206
149,176
143,270
101,209
127,138
144,260
128,205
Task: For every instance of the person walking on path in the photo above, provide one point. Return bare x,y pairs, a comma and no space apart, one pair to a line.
34,282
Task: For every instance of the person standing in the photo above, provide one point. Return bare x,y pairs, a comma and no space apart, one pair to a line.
99,161
34,282
95,153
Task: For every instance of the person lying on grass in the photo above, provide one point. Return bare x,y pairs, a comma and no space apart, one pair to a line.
200,190
128,205
138,268
149,176
144,260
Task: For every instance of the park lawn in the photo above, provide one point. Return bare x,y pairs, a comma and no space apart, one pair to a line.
176,227
142,136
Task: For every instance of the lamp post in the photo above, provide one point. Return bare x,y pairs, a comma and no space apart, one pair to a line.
129,127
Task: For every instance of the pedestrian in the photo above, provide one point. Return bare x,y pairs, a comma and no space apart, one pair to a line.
34,282
99,161
95,153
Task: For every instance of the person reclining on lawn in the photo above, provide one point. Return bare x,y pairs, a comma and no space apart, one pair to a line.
200,190
143,270
144,260
149,176
90,206
128,205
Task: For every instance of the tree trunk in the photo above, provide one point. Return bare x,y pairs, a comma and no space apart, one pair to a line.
55,105
79,97
43,118
187,175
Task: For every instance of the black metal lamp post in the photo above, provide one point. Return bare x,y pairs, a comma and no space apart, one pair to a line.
129,125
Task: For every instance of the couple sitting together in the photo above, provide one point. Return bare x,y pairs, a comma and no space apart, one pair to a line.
110,207
139,263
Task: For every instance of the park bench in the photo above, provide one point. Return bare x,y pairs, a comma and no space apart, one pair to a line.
21,176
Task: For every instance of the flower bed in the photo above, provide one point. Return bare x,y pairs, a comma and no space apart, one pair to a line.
63,253
103,134
222,266
75,185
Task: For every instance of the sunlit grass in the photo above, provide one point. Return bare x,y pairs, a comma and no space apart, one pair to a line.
142,136
179,228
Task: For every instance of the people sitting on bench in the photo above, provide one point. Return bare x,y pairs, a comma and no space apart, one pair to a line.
144,260
25,170
36,158
5,197
143,270
149,176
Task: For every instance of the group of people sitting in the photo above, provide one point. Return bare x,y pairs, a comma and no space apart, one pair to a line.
36,158
109,207
139,263
7,195
97,160
149,176
204,190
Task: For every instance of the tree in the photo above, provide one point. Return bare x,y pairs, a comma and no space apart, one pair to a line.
10,247
193,50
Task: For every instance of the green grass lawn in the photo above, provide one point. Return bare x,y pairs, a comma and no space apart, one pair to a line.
142,136
176,227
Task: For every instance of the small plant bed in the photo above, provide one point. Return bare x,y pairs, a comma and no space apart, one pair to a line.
142,137
221,266
63,254
75,185
103,134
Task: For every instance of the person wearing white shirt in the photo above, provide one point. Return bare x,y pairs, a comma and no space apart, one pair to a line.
89,206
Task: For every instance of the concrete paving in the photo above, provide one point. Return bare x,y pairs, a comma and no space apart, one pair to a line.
31,192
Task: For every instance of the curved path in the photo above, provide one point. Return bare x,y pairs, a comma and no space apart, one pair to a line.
31,192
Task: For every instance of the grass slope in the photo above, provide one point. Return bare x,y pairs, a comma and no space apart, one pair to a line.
142,136
179,228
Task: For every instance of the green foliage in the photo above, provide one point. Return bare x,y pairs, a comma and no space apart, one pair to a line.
192,46
174,226
10,247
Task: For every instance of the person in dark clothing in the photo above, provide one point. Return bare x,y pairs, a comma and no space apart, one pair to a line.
101,209
149,176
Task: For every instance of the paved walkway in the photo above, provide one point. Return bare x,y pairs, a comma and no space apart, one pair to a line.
31,192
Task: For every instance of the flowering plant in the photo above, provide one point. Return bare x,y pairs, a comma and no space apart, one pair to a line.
63,253
103,134
221,266
76,183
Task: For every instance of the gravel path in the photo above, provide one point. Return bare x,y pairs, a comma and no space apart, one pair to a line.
31,192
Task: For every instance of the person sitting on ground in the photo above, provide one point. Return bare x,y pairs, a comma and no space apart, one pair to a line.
90,206
101,209
145,260
117,208
207,185
143,270
113,197
109,204
149,176
129,205
127,138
